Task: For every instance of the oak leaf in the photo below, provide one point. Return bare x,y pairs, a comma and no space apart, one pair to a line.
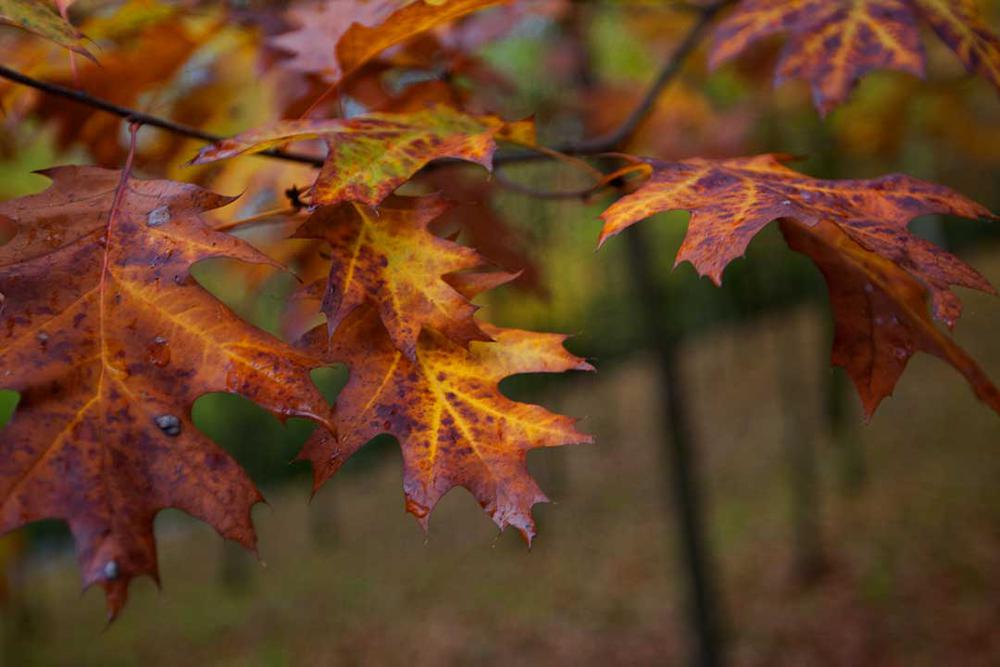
880,315
109,342
360,43
318,28
731,200
833,43
38,17
388,258
454,426
372,155
333,39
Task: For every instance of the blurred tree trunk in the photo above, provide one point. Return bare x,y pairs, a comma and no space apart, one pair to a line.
324,532
680,463
800,451
842,424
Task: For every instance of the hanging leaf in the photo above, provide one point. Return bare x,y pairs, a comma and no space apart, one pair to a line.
110,341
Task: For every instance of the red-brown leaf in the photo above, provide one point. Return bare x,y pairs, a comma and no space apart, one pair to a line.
109,341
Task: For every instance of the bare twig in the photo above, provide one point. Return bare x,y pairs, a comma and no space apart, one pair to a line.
671,68
609,142
136,116
615,139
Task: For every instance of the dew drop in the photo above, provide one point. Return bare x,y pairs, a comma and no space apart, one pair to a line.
869,288
159,352
158,216
787,202
110,570
169,424
42,337
902,353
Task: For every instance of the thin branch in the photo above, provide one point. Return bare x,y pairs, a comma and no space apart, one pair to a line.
671,68
608,142
615,139
136,116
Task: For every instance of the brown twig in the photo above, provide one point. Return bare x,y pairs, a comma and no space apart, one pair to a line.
616,139
609,142
136,116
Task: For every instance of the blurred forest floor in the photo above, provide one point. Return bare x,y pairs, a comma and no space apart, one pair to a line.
913,552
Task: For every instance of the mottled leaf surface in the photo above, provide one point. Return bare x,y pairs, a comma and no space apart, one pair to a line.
109,342
960,25
880,314
833,43
39,17
444,407
372,155
387,257
732,200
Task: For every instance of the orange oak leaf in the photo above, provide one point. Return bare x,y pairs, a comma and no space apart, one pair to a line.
960,25
387,257
881,317
372,155
731,200
361,42
833,43
453,424
319,26
109,342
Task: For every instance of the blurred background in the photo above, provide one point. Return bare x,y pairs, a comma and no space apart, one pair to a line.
819,540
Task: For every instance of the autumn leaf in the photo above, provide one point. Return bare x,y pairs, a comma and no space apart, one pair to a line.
372,155
880,314
318,28
444,407
833,43
38,17
109,342
155,53
959,25
333,39
360,43
479,218
731,200
388,258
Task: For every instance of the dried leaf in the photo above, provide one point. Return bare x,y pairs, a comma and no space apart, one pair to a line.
371,155
361,42
109,341
319,26
388,258
959,25
454,426
731,200
881,316
833,43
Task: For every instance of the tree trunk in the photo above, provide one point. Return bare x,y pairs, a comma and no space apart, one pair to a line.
680,461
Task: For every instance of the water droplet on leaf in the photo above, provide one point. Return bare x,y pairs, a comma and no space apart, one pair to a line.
158,216
159,352
169,424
